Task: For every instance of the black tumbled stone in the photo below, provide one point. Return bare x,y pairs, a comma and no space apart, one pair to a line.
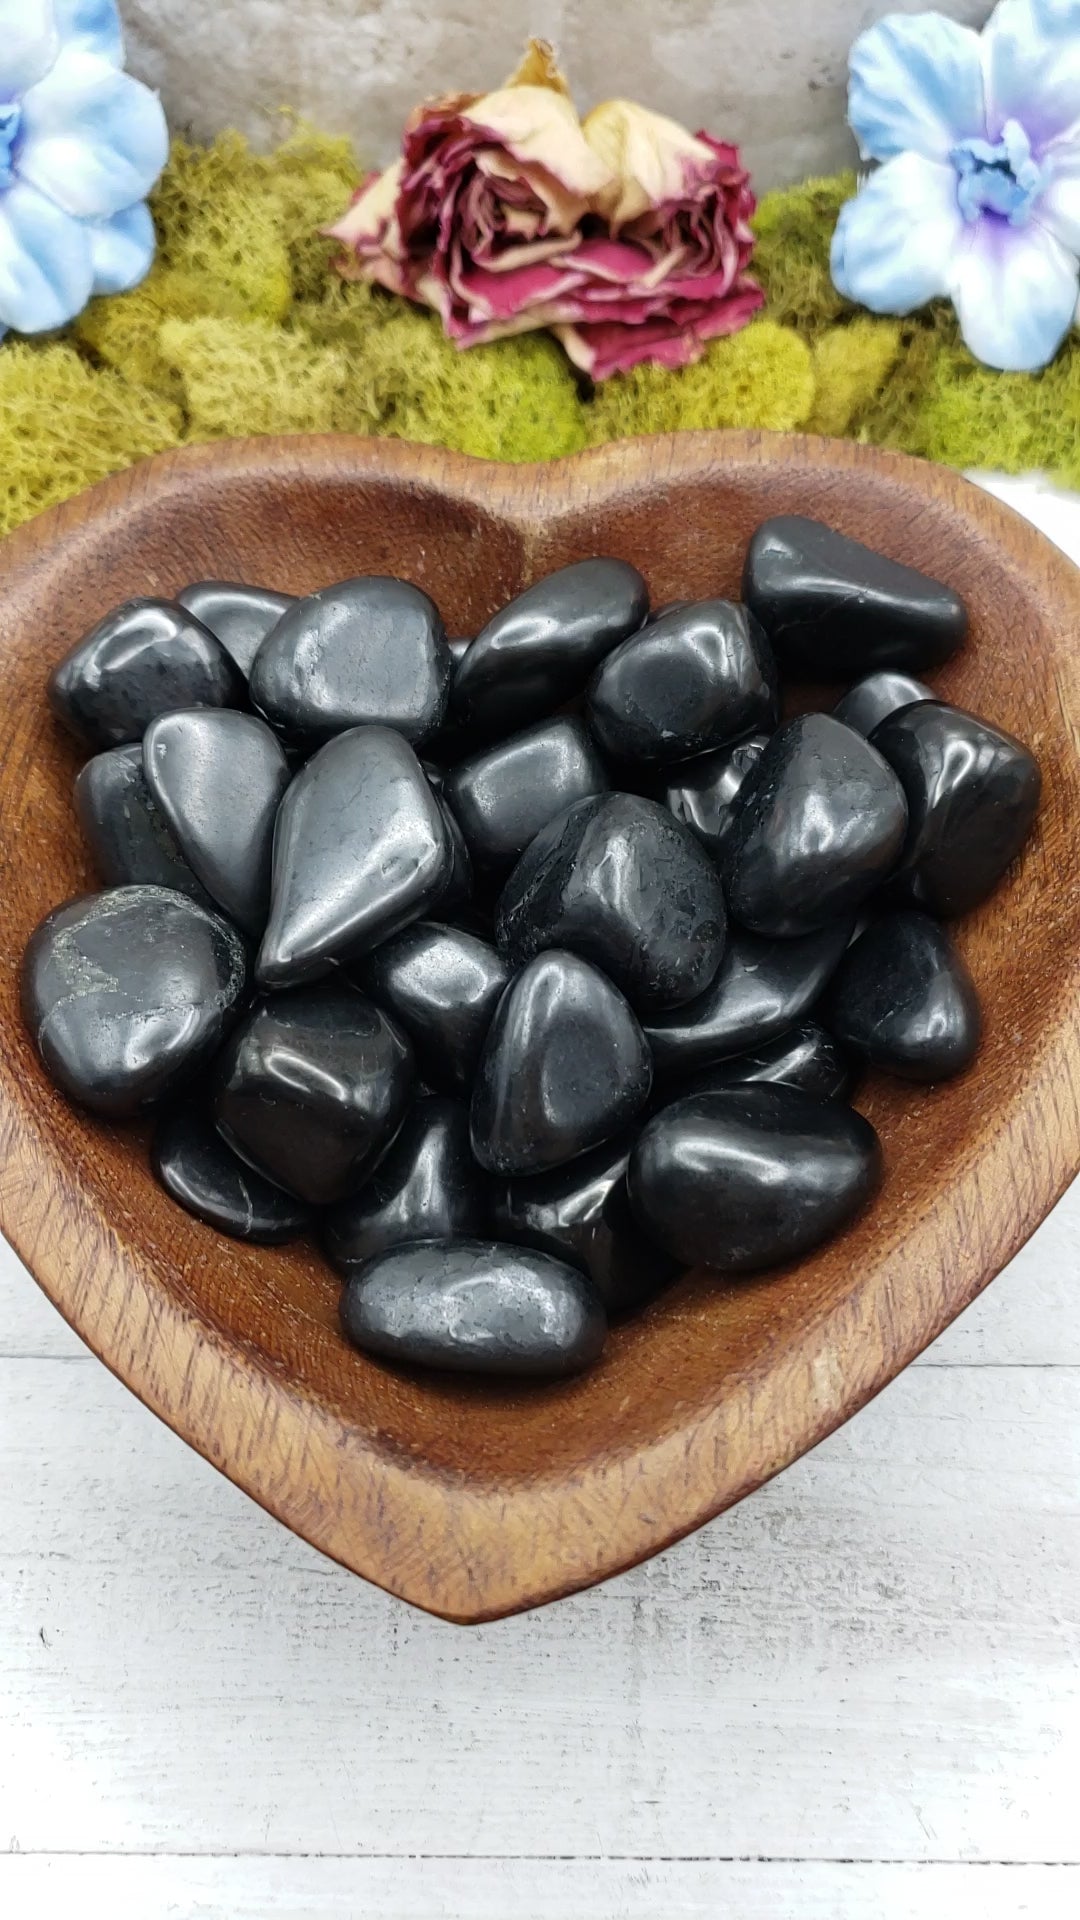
542,647
475,1306
820,824
761,988
240,616
218,778
144,658
703,794
312,1088
902,999
564,1066
806,1056
442,985
129,993
751,1176
972,794
127,833
503,795
206,1178
366,652
426,1187
865,705
835,609
691,680
619,881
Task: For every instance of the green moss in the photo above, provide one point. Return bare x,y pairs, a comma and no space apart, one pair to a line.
761,377
242,327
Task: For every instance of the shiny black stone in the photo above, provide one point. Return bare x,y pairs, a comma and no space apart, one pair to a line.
835,609
542,648
218,778
691,680
903,999
360,849
581,1213
870,701
621,882
442,986
127,834
312,1088
367,652
820,824
205,1177
427,1187
702,793
565,1065
505,794
128,993
748,1177
144,658
241,617
473,1306
972,794
805,1056
761,988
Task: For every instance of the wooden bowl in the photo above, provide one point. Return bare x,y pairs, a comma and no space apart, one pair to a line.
471,1499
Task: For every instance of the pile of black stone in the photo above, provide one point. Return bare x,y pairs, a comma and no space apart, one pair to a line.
519,1028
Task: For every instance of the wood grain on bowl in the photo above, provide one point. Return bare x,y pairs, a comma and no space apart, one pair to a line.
476,1499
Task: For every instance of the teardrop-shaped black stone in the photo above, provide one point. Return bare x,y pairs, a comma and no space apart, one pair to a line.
206,1178
312,1088
581,1213
761,988
144,658
503,795
542,647
366,652
972,794
835,609
127,833
621,882
475,1306
689,681
564,1066
442,985
745,1178
361,848
820,824
218,778
240,617
903,999
129,993
427,1187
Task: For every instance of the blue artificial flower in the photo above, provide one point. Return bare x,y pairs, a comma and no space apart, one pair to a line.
81,144
977,199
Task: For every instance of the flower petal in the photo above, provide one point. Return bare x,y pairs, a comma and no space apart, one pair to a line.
537,124
650,158
894,243
1031,58
45,265
94,139
93,24
28,44
1015,292
1058,206
916,84
122,249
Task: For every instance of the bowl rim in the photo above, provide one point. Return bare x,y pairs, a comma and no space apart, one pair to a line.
377,1512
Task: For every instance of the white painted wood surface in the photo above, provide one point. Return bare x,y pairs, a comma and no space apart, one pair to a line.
856,1697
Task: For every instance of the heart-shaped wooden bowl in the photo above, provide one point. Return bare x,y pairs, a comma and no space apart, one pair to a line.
472,1499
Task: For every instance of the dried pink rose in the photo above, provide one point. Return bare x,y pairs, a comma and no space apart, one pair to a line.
627,234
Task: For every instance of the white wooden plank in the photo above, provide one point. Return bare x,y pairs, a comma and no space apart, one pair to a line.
875,1657
1030,1316
170,1888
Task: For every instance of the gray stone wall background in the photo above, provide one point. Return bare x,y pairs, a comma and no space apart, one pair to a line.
768,75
